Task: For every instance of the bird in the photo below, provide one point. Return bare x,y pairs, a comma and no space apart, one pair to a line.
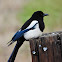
32,28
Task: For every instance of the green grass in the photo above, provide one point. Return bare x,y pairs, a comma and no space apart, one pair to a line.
52,7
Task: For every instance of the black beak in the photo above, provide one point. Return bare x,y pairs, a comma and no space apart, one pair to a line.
45,15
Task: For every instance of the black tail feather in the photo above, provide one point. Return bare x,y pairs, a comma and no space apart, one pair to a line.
10,42
14,53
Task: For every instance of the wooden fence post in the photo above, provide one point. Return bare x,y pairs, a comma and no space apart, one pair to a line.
47,48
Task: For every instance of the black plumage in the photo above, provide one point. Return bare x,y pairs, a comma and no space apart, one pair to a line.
38,16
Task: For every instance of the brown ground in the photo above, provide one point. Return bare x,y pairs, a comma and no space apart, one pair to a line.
8,26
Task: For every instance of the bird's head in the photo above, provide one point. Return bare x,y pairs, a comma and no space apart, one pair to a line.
39,14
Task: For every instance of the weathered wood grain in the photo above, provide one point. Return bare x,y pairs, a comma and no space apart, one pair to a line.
53,43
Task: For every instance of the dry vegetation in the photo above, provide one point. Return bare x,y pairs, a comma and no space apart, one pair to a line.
8,26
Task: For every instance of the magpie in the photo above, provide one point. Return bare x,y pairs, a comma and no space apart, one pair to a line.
32,28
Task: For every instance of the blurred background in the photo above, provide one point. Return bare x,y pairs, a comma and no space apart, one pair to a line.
14,13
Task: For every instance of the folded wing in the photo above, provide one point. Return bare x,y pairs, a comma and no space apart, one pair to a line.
20,34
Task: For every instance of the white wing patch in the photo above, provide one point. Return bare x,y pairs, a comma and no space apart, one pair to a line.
32,24
33,33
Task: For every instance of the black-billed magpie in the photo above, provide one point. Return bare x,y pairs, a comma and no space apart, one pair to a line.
32,28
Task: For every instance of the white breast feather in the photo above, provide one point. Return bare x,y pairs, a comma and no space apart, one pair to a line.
33,33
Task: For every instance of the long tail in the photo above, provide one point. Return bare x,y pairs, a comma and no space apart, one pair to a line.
14,53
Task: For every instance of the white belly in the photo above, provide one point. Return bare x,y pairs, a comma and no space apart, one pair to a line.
33,33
